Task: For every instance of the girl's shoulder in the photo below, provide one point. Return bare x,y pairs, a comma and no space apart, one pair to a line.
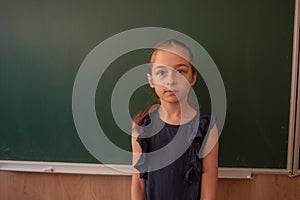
146,121
206,122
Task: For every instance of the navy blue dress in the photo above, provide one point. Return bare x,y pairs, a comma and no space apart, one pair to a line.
181,178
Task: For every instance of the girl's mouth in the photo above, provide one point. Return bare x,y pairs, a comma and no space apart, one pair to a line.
171,91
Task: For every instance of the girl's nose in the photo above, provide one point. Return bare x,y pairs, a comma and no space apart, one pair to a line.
171,78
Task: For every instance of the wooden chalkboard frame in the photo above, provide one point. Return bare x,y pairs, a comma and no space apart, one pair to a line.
294,140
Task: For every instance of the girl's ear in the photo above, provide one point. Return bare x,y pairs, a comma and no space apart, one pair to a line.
194,78
150,80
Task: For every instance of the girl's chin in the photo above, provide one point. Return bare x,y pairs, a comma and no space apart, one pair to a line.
171,99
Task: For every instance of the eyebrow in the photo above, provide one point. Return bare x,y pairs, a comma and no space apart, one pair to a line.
181,65
176,66
160,66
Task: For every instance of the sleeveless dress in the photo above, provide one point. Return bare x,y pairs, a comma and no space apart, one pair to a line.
173,173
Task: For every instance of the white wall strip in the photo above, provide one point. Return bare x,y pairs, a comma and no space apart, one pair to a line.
124,170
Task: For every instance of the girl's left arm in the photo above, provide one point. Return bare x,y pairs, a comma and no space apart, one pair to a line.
210,167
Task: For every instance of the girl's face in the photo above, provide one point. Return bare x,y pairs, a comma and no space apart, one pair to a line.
171,76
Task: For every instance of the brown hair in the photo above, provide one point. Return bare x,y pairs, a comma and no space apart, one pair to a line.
164,45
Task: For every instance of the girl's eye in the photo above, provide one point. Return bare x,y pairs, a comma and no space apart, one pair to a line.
180,71
160,73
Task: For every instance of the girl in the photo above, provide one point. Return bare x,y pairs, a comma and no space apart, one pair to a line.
189,177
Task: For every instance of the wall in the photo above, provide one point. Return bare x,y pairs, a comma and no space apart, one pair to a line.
31,186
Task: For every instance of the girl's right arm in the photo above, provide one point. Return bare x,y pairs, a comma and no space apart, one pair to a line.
137,184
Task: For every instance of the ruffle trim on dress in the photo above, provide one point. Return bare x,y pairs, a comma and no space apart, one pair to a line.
194,167
195,164
141,164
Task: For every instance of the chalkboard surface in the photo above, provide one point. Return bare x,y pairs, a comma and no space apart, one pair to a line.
44,43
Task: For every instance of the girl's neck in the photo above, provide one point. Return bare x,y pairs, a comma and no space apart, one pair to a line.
176,113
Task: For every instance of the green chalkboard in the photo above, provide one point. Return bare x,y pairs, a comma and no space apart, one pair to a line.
43,44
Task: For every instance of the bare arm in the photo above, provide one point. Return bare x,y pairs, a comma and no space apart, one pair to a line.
137,184
210,167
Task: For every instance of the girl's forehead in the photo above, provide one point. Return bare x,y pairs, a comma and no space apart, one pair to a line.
170,58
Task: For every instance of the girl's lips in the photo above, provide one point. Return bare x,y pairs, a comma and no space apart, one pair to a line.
171,91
